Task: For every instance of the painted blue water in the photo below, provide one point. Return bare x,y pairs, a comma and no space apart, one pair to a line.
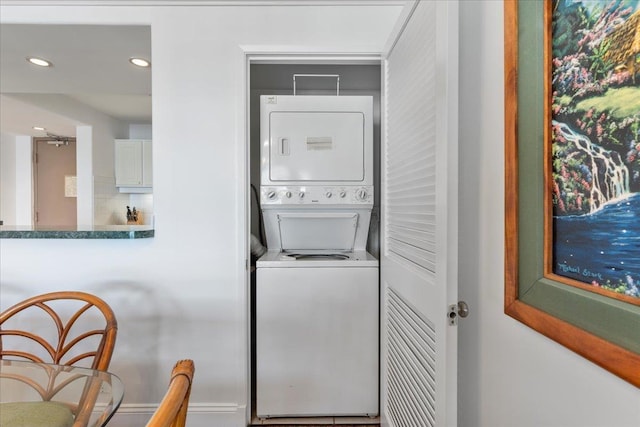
603,247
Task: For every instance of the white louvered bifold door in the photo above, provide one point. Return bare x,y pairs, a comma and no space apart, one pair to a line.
419,223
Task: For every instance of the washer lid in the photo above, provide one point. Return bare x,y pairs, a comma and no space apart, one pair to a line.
277,259
327,230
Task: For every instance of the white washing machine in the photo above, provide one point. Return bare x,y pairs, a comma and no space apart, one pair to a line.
317,293
317,335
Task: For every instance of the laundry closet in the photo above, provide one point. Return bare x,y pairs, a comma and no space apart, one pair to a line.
315,186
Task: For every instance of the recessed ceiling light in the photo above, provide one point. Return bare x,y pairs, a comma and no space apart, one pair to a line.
140,62
39,128
39,61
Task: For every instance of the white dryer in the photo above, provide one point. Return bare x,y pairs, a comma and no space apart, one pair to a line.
316,140
317,293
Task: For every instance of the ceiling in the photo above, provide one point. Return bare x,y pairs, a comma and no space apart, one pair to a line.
90,66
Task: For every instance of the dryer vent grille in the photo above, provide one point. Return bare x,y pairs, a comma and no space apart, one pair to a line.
411,341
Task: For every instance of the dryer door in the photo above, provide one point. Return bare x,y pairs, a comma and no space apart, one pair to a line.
316,146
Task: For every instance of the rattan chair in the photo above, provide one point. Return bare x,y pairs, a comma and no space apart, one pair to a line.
172,411
79,319
64,328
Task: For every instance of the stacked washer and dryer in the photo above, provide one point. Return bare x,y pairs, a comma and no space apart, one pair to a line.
317,301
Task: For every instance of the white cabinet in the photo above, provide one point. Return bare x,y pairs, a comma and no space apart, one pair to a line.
147,165
133,164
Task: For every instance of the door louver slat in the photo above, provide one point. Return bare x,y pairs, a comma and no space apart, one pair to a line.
403,197
410,160
419,239
411,358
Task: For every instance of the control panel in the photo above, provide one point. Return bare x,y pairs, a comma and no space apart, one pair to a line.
316,195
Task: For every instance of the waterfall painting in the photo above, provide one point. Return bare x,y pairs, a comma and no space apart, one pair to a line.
572,176
593,156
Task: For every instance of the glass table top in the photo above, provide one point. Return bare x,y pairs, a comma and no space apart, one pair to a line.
91,396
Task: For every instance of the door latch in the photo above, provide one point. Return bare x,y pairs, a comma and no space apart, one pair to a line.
457,310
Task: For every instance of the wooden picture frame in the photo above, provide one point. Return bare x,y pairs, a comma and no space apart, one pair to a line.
602,329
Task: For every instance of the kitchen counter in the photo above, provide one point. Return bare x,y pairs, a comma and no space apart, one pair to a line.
96,232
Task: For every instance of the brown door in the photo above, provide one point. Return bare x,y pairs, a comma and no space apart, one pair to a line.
55,174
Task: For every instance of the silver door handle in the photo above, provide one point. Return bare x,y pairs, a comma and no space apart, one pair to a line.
463,309
457,310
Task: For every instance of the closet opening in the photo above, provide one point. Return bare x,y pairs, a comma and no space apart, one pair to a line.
269,76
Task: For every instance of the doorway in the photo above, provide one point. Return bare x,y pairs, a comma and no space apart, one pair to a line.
55,188
268,77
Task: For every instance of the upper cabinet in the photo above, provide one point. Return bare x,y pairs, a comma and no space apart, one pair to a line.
134,171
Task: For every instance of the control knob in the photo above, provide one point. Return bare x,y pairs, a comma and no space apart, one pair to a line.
271,195
288,194
362,194
343,194
301,194
328,194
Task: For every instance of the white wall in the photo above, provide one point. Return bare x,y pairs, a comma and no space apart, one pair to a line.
84,174
24,180
7,178
509,375
140,131
183,293
16,180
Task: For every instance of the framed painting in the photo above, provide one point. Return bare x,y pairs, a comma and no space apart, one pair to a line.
572,171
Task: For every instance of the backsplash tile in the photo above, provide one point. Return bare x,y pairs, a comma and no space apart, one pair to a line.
110,206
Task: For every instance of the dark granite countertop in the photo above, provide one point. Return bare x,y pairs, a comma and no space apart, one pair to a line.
95,232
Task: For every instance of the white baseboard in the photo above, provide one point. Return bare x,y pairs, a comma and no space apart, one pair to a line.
199,415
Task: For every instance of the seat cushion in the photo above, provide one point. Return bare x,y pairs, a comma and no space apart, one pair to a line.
35,414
